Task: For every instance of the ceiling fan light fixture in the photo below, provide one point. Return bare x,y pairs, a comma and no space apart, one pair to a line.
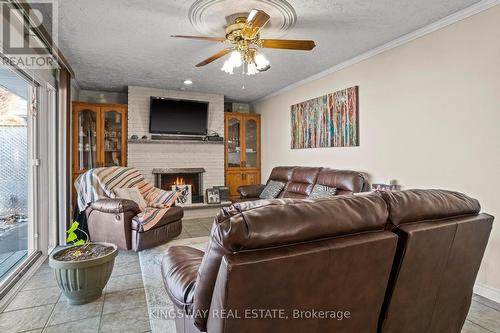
261,62
233,62
252,69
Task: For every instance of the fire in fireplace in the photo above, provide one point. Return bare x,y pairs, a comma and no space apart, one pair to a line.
166,178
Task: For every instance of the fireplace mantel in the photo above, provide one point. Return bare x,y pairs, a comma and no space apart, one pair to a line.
164,171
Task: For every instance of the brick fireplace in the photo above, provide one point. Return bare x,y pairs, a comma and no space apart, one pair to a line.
165,178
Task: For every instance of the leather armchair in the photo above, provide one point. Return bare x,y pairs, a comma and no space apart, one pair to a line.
109,220
112,220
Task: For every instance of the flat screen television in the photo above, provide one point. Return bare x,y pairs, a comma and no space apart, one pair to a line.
173,116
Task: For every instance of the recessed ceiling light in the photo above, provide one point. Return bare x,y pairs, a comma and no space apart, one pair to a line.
188,82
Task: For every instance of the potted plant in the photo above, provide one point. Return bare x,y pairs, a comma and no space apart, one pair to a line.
83,269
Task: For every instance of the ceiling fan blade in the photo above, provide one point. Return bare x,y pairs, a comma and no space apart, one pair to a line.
255,21
288,44
215,56
208,39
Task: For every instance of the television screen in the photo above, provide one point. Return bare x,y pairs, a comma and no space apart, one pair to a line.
170,116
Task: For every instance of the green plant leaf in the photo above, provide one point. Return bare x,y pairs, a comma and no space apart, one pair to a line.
73,227
71,237
79,242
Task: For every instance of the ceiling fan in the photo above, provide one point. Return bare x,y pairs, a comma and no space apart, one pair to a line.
244,33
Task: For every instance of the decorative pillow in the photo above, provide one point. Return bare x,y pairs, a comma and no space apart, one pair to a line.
272,190
133,194
322,192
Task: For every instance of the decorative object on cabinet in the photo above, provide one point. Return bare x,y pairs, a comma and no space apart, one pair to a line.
99,136
386,187
327,121
242,151
213,196
223,192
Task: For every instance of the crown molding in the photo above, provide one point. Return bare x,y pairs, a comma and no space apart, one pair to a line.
444,22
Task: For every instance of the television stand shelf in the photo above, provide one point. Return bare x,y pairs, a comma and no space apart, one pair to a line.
175,142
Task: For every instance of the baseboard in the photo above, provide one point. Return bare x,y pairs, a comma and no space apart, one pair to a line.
487,291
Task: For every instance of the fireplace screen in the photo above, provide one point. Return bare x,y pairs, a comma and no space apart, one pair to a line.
166,178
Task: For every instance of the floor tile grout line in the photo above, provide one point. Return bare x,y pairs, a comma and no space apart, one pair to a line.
105,292
68,322
478,300
27,307
50,316
487,329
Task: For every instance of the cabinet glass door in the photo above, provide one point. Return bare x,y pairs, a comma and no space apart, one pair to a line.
233,143
251,143
87,139
113,121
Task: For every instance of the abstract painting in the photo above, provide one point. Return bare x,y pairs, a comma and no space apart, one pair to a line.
327,121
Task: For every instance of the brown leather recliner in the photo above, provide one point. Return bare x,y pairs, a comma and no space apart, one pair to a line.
112,220
294,255
442,239
301,180
334,255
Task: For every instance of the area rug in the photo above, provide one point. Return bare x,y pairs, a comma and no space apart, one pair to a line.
160,308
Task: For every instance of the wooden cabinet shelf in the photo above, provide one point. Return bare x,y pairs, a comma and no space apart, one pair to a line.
242,150
99,136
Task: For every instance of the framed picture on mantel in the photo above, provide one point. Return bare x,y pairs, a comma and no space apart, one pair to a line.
331,120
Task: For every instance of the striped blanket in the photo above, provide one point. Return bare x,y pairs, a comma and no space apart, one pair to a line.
100,183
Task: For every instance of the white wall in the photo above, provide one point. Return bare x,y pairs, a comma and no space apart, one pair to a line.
147,156
429,118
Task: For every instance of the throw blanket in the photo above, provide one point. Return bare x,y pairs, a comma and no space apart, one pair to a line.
99,183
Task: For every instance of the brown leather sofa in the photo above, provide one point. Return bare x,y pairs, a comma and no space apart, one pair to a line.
301,180
112,220
393,262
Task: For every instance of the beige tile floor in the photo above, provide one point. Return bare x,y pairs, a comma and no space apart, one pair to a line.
40,307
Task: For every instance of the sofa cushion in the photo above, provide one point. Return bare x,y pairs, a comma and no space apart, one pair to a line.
322,192
419,205
281,174
345,181
179,269
173,214
272,190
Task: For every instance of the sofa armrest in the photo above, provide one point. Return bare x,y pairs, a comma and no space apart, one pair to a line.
115,206
179,270
250,191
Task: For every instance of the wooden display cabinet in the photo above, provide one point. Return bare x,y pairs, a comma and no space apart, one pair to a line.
99,136
242,151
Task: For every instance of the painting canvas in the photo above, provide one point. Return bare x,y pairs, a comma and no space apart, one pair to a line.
327,121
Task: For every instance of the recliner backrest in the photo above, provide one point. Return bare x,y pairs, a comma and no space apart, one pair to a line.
344,278
301,183
345,181
267,224
441,243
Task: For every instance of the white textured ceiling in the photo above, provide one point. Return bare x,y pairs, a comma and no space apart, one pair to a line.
116,43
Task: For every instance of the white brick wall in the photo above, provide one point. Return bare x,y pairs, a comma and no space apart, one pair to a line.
138,108
146,157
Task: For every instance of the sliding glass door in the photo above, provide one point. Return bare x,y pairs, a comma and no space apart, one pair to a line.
17,177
